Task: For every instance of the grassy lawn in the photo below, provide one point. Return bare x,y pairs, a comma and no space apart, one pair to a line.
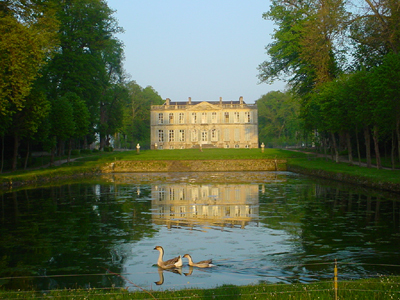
89,164
372,288
371,174
196,154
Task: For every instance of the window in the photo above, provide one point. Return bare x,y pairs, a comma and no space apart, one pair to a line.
204,117
194,135
171,118
194,118
181,135
236,117
226,117
181,118
161,135
247,117
214,117
204,136
226,134
247,134
214,135
237,134
171,137
160,118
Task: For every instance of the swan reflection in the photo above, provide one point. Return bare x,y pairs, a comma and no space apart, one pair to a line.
178,271
191,205
161,274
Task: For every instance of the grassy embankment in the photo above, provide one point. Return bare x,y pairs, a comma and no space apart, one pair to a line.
372,288
90,165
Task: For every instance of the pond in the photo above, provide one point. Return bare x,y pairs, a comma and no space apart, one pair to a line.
274,227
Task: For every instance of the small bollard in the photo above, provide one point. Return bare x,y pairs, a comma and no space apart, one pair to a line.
137,148
262,147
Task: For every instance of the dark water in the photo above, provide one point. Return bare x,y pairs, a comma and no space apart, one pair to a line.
271,227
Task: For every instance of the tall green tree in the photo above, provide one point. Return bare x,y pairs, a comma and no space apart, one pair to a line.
89,60
28,38
278,119
62,124
304,51
136,114
26,121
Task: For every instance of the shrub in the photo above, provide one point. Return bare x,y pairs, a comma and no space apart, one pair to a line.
75,152
108,149
86,151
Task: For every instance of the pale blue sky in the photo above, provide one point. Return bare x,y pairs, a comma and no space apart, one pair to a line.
201,49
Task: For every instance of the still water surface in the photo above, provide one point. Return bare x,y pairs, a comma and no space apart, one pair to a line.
271,227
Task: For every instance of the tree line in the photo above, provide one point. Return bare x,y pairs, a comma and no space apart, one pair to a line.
342,64
62,82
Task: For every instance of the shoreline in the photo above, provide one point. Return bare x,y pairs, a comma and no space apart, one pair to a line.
340,172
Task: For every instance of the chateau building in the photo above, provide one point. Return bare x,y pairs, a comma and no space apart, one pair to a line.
193,124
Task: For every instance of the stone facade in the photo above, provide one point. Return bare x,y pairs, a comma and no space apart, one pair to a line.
206,124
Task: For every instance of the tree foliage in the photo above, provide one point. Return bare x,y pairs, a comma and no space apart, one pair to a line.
340,95
278,119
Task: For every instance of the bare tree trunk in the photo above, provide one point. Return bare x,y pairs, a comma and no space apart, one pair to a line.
367,138
325,141
53,152
398,137
392,153
15,155
335,147
26,156
2,154
69,149
358,148
349,148
376,145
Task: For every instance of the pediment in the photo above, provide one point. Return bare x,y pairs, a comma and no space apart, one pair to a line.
204,106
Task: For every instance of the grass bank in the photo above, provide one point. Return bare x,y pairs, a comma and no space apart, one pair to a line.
372,288
383,179
90,165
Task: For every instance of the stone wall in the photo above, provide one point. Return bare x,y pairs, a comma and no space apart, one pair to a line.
195,166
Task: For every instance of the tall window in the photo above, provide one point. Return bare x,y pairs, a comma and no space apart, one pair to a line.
214,135
181,118
247,133
171,118
237,134
226,134
160,118
204,136
204,117
226,117
236,117
247,117
214,117
194,118
161,135
181,135
194,135
171,137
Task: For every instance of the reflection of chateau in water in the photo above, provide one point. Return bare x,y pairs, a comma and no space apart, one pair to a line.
210,204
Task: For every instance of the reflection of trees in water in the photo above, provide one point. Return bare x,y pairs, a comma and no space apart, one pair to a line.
71,229
352,226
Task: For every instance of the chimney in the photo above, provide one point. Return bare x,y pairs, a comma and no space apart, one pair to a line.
241,100
167,101
220,100
190,100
